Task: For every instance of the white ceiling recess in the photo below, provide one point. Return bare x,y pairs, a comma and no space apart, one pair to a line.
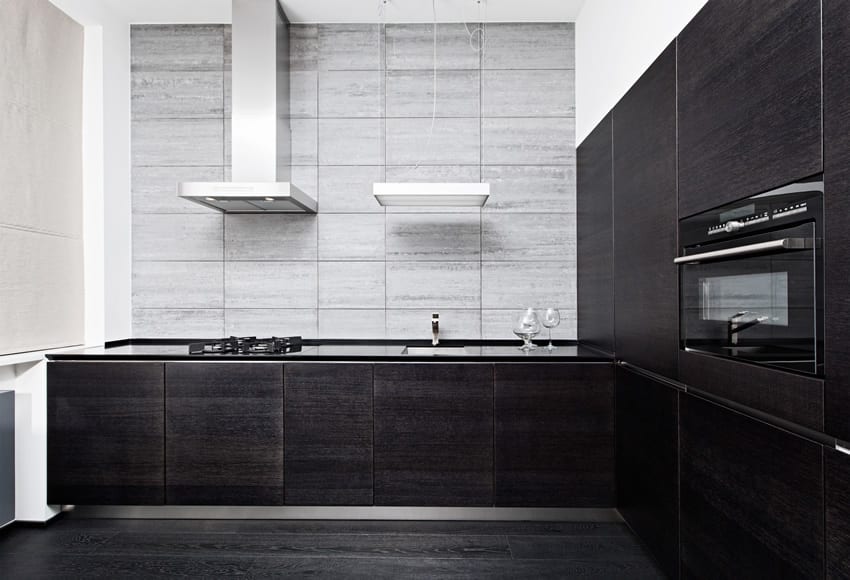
340,11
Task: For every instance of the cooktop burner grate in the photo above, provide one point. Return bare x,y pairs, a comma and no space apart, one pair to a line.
248,345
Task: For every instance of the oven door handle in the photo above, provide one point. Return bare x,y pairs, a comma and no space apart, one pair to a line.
773,245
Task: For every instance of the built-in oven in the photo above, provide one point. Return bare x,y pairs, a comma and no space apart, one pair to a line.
751,279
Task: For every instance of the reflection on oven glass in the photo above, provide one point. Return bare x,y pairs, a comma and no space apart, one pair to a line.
761,296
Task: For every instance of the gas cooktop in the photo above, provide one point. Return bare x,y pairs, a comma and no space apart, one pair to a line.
248,345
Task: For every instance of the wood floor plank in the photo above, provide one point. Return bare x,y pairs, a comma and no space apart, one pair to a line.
93,567
299,545
581,548
369,550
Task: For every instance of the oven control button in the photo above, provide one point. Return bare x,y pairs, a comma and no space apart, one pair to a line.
732,226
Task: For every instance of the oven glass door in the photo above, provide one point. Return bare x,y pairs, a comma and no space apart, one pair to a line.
754,304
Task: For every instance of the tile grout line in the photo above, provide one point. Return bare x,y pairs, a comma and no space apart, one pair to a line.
225,139
480,172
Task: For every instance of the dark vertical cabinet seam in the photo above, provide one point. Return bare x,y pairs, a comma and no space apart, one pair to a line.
554,435
104,433
749,100
836,85
645,224
224,434
595,237
648,464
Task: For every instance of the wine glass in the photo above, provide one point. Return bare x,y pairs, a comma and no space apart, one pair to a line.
527,326
551,319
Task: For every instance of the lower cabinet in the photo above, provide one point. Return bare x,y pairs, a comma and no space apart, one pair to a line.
752,497
433,434
554,435
837,471
224,433
104,433
648,464
304,433
328,442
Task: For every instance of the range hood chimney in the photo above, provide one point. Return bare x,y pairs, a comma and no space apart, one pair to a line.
260,137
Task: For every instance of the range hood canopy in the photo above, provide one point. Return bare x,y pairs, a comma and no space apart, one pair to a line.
230,197
431,194
261,159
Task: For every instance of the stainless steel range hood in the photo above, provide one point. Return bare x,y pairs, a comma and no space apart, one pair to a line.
260,138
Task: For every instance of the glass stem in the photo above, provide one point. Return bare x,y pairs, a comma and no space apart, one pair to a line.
550,339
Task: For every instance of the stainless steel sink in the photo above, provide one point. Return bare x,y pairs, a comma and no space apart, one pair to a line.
434,350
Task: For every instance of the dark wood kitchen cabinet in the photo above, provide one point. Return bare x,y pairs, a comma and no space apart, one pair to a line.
224,433
837,473
433,434
104,433
749,82
836,86
554,435
328,442
595,237
789,396
752,497
645,220
648,464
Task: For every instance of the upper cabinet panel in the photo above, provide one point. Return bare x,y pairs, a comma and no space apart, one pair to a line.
836,86
749,100
645,289
595,237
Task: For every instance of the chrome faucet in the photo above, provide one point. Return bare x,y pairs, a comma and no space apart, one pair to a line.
734,326
435,329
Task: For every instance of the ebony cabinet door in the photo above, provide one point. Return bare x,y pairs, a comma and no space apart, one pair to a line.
752,497
328,442
595,237
645,224
554,435
105,433
790,396
837,514
224,433
434,434
749,99
648,464
836,86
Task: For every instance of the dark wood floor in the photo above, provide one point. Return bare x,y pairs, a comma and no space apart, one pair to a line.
89,548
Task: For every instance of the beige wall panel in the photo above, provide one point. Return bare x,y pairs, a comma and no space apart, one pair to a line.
41,291
41,198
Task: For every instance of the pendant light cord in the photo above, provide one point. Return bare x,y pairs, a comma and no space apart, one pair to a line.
433,93
478,31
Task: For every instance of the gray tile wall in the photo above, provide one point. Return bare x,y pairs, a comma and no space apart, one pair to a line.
361,112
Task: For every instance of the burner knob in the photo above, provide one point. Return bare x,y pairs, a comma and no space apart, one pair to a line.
733,226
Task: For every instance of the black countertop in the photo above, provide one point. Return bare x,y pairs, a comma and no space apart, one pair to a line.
339,350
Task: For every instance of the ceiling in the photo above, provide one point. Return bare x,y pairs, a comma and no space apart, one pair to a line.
351,10
422,11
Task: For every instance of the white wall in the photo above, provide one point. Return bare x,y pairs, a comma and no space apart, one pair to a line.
616,41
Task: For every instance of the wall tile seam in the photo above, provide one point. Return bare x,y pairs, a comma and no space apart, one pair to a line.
41,232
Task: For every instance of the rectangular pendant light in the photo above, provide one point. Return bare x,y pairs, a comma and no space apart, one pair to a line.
432,194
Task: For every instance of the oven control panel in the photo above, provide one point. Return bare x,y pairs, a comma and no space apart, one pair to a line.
790,210
737,225
776,209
